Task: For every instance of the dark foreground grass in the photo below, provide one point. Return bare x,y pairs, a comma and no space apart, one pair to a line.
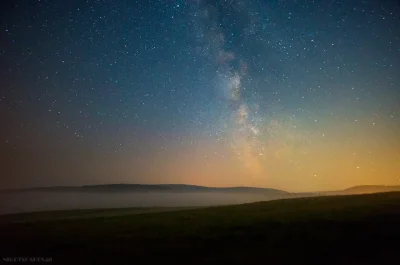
359,229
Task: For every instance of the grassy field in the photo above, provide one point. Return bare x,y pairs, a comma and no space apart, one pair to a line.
356,229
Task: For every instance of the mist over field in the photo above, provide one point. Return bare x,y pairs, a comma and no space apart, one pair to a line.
43,200
137,195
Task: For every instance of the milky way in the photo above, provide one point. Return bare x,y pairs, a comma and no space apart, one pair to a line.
231,70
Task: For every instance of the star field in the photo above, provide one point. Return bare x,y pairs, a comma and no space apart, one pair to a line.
296,95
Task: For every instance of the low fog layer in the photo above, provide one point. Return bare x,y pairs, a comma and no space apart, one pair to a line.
41,201
121,196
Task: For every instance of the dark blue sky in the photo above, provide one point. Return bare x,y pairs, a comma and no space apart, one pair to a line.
200,92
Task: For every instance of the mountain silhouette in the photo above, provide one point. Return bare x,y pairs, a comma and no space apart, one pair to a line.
155,188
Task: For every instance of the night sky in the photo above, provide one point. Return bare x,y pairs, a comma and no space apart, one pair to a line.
294,95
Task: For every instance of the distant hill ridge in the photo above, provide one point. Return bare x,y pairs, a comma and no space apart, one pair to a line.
155,188
371,189
362,189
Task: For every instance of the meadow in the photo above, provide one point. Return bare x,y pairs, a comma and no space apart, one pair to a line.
351,229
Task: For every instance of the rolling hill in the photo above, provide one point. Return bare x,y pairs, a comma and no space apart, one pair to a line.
354,229
153,188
